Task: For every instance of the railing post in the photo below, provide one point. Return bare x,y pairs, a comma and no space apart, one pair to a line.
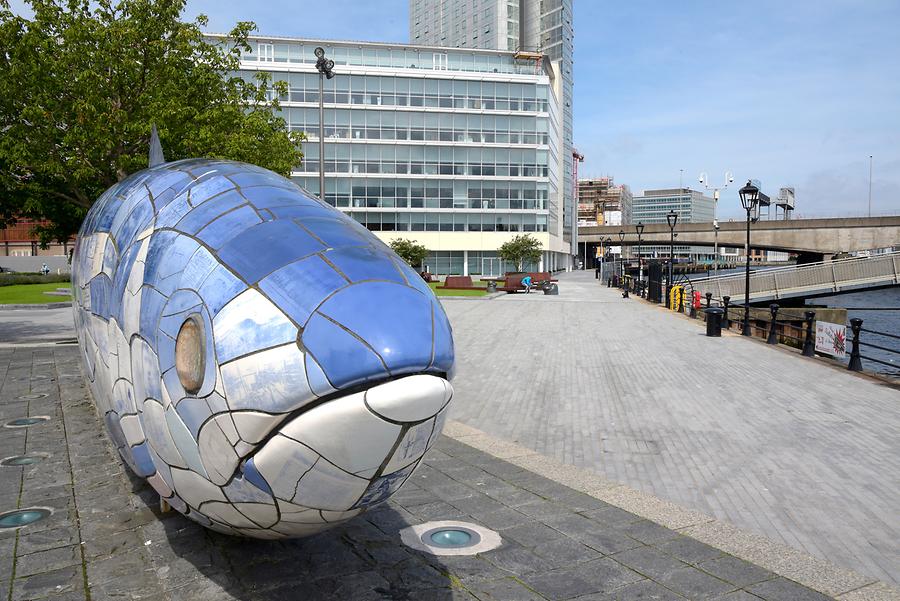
773,335
855,361
809,343
726,323
708,299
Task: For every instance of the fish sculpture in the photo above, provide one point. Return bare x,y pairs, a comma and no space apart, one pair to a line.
267,364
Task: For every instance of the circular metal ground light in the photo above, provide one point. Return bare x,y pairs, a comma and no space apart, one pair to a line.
24,422
23,517
23,460
33,396
450,538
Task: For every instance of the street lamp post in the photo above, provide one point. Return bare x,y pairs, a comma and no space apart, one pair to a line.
749,198
639,228
622,256
729,178
672,219
325,67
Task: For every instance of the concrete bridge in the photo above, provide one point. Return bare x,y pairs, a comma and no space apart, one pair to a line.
814,238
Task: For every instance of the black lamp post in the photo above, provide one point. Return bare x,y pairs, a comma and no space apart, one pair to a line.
672,219
749,198
622,256
639,228
325,67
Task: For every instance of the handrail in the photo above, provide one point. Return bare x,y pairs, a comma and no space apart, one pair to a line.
798,268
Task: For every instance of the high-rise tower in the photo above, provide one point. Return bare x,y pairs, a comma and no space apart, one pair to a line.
543,26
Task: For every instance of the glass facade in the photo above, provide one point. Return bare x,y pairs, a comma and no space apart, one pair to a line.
425,139
692,207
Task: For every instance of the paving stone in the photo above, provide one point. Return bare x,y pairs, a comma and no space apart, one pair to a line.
51,582
45,561
649,562
647,531
504,589
694,584
598,576
531,534
611,516
645,590
736,596
565,552
782,589
689,550
736,571
502,518
516,559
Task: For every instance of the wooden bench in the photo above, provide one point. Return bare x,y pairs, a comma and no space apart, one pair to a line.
457,282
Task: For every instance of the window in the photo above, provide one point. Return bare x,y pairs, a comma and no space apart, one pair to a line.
266,52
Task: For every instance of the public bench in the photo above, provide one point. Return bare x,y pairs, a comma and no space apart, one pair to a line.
514,281
457,282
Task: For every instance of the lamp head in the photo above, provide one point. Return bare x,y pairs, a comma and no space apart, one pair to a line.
672,218
639,228
749,196
621,235
319,52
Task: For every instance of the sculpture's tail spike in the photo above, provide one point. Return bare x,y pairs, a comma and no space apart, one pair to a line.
156,151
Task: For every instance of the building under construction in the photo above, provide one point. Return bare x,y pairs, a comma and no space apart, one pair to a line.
600,201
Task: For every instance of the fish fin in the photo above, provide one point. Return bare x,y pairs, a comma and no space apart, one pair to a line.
156,151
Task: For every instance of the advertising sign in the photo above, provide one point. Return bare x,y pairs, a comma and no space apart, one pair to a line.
831,339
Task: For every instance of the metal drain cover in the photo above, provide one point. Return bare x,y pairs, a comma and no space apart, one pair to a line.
23,517
24,422
23,460
33,396
450,538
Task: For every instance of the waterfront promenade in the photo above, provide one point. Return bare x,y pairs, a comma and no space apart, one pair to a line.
790,448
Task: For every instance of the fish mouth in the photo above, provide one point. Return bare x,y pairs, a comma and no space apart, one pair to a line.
351,450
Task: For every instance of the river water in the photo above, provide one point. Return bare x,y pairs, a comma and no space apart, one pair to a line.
876,319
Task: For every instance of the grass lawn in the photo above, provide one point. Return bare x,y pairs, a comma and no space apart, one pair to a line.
481,291
28,294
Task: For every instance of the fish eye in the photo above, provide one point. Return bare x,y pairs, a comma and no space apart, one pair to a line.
190,358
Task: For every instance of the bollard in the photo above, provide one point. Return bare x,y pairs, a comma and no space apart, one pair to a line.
855,361
491,286
609,282
708,299
773,335
809,344
726,323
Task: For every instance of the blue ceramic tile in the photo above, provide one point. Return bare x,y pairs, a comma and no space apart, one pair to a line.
412,278
219,288
193,412
250,323
100,293
336,231
384,487
402,333
298,288
249,178
152,303
252,475
142,461
208,187
165,349
169,179
318,383
174,211
443,340
226,227
200,216
345,360
181,301
199,267
365,263
260,250
270,197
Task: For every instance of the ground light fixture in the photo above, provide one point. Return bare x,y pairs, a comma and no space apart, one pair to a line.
749,200
24,422
450,538
11,520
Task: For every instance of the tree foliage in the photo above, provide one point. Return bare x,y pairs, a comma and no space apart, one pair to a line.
521,249
82,82
410,251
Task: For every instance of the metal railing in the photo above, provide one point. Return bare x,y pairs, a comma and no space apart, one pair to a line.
797,280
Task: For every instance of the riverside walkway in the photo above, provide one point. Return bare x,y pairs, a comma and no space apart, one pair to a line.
787,447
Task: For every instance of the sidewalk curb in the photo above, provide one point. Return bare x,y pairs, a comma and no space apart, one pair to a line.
36,306
812,572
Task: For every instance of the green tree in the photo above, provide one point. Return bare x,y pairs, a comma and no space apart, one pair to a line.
521,249
82,82
410,251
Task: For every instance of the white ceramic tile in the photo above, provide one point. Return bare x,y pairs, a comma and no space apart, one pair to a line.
153,421
409,399
253,426
273,381
131,427
185,443
281,462
216,452
346,433
195,489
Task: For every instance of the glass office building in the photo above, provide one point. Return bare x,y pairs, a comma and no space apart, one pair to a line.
542,26
652,207
457,149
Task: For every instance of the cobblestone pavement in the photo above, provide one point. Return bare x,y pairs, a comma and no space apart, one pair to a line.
781,445
107,540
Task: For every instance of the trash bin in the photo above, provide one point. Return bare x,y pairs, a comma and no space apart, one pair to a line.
551,289
492,286
714,321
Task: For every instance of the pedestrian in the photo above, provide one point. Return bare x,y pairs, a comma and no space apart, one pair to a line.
45,269
526,281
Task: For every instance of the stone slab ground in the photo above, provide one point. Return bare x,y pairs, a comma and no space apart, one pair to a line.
107,540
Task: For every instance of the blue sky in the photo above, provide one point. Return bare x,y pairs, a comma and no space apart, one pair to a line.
791,93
